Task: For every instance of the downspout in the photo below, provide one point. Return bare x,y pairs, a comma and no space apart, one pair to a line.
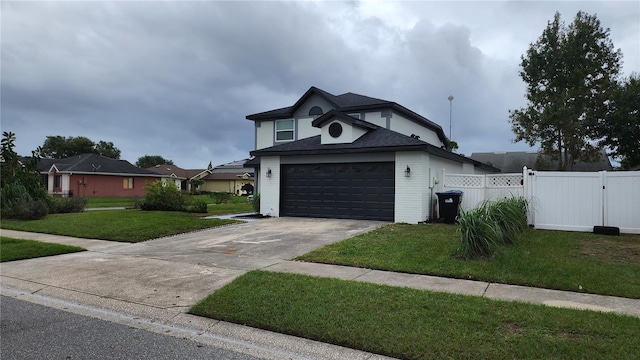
430,196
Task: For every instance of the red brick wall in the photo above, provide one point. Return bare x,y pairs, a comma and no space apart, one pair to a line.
107,185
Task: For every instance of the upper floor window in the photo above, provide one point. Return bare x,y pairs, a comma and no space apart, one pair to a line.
284,130
315,111
355,115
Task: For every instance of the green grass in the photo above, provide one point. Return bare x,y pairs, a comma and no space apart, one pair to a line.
573,261
230,208
117,225
18,249
413,324
111,201
238,204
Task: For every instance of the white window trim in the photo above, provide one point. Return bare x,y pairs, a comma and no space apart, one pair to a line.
292,130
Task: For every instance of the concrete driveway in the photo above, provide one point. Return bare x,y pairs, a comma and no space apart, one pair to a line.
174,272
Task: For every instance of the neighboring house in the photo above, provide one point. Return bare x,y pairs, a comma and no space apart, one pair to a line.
94,175
183,178
351,156
233,177
513,162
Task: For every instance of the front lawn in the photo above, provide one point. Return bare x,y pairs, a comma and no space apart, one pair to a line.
413,324
111,201
117,225
573,261
18,249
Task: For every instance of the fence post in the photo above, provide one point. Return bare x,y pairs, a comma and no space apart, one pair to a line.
527,193
603,198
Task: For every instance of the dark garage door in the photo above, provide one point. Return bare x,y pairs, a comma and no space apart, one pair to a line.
345,191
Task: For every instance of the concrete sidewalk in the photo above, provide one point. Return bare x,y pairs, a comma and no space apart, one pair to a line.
152,285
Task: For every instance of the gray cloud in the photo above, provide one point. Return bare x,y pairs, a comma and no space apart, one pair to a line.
177,78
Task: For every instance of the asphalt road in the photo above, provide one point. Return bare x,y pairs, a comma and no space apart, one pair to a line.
31,331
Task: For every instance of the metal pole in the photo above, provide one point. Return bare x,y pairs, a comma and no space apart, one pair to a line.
450,107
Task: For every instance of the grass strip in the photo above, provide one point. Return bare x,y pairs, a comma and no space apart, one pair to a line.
413,324
18,249
111,201
572,261
117,225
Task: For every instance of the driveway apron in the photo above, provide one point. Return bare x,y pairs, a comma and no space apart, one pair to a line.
178,271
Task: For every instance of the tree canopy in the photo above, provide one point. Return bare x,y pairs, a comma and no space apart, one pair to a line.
570,73
59,147
621,129
148,161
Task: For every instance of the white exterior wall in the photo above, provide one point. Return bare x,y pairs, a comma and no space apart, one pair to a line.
270,186
407,127
349,134
66,183
314,100
264,135
376,118
412,192
304,128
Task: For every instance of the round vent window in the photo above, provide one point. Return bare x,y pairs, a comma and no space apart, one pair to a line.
335,129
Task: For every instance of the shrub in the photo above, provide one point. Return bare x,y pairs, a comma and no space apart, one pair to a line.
67,205
479,234
18,204
195,206
221,197
164,196
255,203
490,225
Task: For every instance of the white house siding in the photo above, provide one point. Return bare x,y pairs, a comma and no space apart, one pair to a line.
349,134
264,134
376,118
412,192
304,128
314,100
405,126
270,186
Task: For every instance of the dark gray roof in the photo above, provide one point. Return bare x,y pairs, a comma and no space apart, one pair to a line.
333,114
513,162
349,102
375,140
93,163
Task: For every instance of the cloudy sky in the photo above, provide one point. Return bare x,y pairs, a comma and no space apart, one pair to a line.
177,79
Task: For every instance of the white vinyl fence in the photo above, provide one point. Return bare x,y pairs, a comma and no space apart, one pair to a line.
574,201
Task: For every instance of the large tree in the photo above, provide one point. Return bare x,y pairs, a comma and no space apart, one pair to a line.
148,161
570,73
59,147
621,129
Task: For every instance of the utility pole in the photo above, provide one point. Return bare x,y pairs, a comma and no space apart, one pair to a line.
450,107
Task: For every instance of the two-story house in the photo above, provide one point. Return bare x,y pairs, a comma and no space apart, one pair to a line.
351,156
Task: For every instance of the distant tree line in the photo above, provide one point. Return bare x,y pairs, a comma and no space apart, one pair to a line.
60,147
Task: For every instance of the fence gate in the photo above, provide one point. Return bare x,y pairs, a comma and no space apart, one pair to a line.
578,201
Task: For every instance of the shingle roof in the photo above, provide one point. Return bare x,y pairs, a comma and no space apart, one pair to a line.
513,162
93,163
349,102
376,140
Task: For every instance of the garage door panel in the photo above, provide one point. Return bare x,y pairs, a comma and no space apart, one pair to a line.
354,191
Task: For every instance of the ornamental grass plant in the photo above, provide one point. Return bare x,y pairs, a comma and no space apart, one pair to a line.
491,225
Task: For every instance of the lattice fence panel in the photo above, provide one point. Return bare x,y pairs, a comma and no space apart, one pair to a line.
507,180
474,181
